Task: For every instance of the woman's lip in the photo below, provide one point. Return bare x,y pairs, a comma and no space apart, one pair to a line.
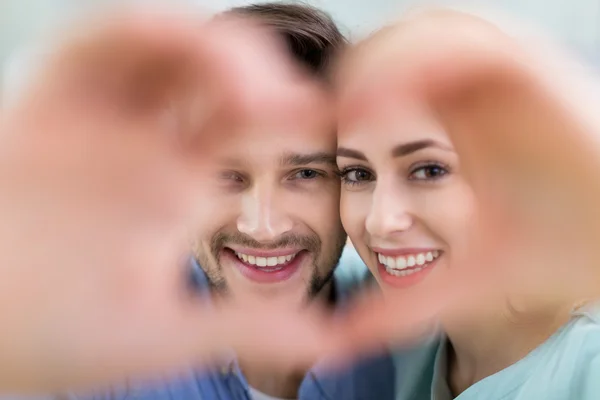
404,251
403,282
264,253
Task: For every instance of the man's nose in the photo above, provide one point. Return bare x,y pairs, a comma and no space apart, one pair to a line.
263,215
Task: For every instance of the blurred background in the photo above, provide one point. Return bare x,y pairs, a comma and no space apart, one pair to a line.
25,24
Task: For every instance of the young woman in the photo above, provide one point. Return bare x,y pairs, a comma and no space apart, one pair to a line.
417,180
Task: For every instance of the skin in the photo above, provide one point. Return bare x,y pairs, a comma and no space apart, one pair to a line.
451,70
273,190
100,293
402,189
403,192
132,285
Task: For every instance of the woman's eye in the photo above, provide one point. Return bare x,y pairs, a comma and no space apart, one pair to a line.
428,172
307,174
355,176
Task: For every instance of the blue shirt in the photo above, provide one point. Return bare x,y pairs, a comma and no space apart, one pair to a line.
368,379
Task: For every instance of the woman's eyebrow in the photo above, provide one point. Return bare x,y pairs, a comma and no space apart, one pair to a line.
405,149
350,153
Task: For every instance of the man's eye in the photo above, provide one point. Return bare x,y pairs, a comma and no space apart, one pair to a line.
232,176
307,174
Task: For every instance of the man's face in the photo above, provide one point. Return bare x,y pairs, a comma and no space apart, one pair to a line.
271,225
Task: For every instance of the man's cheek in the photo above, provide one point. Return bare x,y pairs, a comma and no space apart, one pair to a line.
213,215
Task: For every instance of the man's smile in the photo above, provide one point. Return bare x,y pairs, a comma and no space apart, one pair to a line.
265,266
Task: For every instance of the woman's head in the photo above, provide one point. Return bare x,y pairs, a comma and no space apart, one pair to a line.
404,202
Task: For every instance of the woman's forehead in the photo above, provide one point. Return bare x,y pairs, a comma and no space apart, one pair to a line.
383,105
391,126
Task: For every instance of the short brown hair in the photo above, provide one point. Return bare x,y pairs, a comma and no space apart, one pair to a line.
311,35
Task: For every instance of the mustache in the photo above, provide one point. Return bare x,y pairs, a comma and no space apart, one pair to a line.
221,239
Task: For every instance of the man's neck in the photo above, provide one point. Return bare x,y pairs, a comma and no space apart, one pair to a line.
477,351
280,383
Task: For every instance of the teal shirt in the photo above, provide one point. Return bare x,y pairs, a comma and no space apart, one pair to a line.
565,367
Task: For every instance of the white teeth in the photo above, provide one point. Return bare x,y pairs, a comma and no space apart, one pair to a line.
405,265
405,272
401,262
396,272
391,262
265,261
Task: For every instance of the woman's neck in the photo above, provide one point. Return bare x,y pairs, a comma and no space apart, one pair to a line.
478,350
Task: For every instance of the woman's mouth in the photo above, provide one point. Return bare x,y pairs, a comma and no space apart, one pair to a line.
408,268
408,264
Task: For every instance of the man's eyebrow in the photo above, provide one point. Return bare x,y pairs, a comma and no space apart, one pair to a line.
298,159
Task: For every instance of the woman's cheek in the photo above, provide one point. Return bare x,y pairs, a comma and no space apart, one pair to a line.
353,212
457,220
354,209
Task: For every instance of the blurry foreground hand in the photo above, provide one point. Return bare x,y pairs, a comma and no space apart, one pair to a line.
523,118
101,163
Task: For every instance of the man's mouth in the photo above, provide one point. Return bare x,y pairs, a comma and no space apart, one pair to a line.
271,264
266,266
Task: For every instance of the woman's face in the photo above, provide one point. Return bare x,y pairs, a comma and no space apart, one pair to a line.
404,204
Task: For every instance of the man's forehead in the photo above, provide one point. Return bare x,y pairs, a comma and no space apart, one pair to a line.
279,143
292,133
281,158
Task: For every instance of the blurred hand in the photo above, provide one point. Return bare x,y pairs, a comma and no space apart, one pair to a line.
520,114
101,162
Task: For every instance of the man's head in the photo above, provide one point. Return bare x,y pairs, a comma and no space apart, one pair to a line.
310,34
271,223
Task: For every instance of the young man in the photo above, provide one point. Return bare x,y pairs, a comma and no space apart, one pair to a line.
98,295
271,230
